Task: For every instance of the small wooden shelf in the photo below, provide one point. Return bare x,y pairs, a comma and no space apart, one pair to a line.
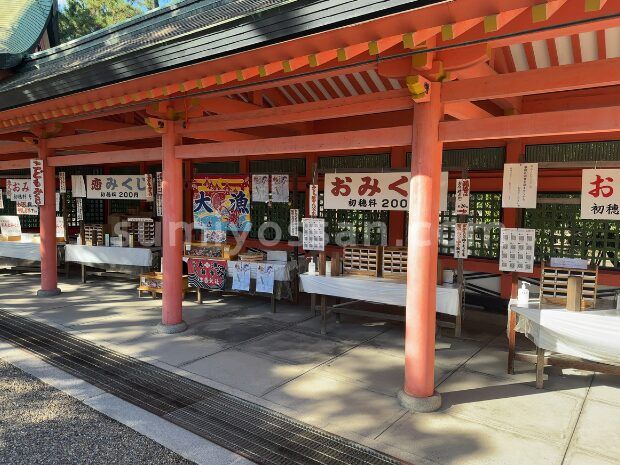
394,262
554,284
362,260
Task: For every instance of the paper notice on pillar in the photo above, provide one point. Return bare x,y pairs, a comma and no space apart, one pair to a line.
293,227
461,206
460,240
314,200
19,190
517,249
241,272
159,208
600,194
80,209
57,196
78,188
313,234
24,208
1,200
62,181
148,182
265,274
260,188
10,226
279,188
520,185
443,191
36,179
158,180
60,227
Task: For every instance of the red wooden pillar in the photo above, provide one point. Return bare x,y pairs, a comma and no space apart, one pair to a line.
396,229
172,229
47,224
419,393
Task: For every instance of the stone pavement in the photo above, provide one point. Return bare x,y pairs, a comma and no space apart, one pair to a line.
346,382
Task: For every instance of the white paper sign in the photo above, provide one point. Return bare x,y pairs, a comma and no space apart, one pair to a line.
78,188
366,191
461,206
122,186
148,181
260,188
159,180
57,201
520,185
313,233
10,226
60,227
293,227
313,191
600,194
159,207
80,209
62,181
19,190
443,191
279,188
265,274
517,247
36,180
241,276
1,200
24,208
460,240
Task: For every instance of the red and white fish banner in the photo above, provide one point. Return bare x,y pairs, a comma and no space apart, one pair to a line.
19,190
62,181
461,206
314,200
600,194
207,273
36,179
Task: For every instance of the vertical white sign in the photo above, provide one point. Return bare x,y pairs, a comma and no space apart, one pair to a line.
80,209
57,201
461,206
60,227
148,182
600,194
313,191
260,188
1,200
460,240
279,188
78,188
520,185
159,183
443,192
293,228
62,181
36,180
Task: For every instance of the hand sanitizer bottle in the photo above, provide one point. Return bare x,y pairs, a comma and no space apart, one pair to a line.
524,295
311,267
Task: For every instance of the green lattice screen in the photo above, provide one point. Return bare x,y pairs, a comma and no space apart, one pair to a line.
122,206
486,158
561,233
278,213
92,208
286,166
380,160
216,167
578,151
484,231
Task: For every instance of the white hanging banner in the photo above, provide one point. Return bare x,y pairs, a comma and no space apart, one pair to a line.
1,200
148,181
159,207
36,179
517,247
279,188
62,181
60,227
19,190
80,209
293,228
600,194
314,200
24,208
443,191
159,180
520,185
260,188
461,206
460,240
10,226
121,186
313,233
57,201
265,275
78,188
241,276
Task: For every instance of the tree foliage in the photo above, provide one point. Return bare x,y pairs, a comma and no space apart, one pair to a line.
81,17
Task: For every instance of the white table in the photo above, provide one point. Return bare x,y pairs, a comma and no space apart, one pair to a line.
20,250
111,258
588,339
375,290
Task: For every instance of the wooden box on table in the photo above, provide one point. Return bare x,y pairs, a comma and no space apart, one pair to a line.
554,285
361,260
154,283
209,250
93,234
394,262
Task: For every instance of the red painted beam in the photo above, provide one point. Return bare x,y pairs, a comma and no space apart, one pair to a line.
596,120
101,158
16,147
104,137
570,77
14,164
349,140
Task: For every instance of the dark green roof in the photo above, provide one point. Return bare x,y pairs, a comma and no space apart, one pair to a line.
22,23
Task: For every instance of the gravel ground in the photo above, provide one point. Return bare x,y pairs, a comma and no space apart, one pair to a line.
42,425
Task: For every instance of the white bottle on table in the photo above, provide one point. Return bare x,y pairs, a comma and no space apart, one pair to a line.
311,267
523,297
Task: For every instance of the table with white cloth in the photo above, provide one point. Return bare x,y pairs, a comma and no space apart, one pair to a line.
130,260
358,288
587,339
13,253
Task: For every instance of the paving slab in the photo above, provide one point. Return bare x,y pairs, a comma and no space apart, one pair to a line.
449,440
598,429
250,373
349,330
605,388
234,329
337,404
579,457
286,312
295,347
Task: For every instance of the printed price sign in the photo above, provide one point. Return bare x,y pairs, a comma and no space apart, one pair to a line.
600,194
